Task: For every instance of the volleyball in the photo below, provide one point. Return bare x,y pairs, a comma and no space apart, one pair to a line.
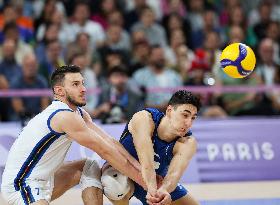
238,60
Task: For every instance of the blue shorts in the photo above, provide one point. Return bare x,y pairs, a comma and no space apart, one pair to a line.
140,193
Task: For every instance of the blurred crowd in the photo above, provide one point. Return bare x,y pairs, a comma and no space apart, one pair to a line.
126,47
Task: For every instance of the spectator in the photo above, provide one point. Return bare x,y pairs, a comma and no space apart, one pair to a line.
9,68
157,75
133,16
177,38
53,59
196,10
173,6
116,18
44,12
236,35
266,68
82,45
154,32
211,46
9,71
82,23
118,102
227,10
117,38
11,32
173,22
111,58
4,102
237,17
255,15
184,58
26,107
51,34
209,25
275,97
265,18
140,55
237,104
57,19
12,14
273,32
106,7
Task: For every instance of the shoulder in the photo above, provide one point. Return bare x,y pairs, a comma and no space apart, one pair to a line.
61,118
155,113
143,117
172,73
143,114
141,72
141,122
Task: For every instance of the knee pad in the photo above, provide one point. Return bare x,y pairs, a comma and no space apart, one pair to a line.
91,175
115,185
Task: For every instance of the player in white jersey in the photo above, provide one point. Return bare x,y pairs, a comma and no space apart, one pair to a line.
35,173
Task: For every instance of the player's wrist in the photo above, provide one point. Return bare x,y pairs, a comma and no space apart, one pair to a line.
152,191
166,187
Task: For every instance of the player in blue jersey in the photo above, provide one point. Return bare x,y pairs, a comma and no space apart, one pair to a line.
164,146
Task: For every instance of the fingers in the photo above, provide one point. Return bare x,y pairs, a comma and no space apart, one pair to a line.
166,200
161,198
153,199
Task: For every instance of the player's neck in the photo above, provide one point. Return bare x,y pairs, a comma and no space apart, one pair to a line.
73,107
164,130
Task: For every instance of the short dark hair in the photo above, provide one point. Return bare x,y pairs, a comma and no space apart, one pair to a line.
118,69
184,97
59,74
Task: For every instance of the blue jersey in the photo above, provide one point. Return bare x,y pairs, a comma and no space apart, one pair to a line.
163,154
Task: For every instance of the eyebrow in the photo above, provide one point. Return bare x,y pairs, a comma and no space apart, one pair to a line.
189,112
76,81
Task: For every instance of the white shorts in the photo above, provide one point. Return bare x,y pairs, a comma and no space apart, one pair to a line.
34,190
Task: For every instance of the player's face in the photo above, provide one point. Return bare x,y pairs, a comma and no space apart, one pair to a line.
75,91
181,118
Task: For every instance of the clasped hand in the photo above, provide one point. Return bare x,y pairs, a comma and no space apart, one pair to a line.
160,196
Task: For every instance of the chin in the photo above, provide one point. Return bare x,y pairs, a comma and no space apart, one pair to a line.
82,104
182,134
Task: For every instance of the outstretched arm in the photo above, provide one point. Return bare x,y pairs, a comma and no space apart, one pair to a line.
75,127
119,146
183,152
141,127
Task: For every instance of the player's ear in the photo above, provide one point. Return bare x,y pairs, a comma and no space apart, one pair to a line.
168,110
58,90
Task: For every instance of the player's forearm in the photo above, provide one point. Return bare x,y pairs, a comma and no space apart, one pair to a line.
149,176
131,159
170,181
131,166
117,160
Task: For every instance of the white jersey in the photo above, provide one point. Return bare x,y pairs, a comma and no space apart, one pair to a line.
38,151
